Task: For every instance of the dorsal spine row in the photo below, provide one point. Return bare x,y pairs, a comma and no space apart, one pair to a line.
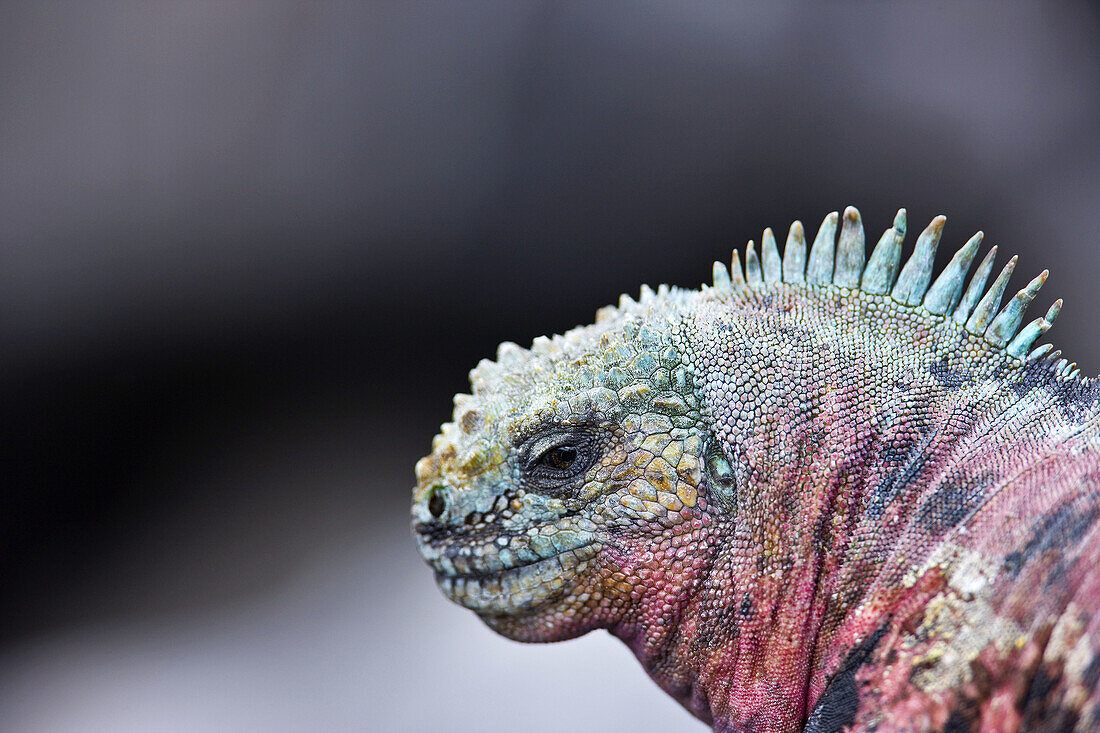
839,262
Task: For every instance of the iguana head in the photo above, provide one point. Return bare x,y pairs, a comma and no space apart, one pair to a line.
572,471
576,480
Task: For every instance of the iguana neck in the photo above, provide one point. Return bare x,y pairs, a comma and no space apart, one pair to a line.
835,449
742,645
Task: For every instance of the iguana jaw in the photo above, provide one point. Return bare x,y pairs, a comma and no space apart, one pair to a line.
508,576
515,590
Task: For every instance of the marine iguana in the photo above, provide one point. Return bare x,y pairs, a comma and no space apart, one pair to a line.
820,494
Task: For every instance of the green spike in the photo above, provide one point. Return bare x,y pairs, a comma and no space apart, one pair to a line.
1053,311
945,292
1023,341
721,277
794,255
977,285
752,264
991,301
917,273
769,255
1039,352
878,276
819,271
851,251
737,275
1008,320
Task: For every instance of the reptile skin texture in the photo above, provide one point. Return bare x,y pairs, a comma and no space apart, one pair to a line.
826,493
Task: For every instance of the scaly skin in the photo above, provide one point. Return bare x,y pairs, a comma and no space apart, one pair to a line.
803,505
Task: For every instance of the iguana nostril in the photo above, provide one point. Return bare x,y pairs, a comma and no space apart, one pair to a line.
436,503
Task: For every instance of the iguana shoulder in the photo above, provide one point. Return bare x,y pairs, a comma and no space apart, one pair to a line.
825,491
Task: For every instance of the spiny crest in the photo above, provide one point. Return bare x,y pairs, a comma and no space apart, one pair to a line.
629,317
840,262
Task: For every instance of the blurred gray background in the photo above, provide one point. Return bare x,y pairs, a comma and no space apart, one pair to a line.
249,250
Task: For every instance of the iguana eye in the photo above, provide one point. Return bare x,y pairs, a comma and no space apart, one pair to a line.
553,459
561,458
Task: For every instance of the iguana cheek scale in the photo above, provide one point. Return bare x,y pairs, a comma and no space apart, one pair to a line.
826,492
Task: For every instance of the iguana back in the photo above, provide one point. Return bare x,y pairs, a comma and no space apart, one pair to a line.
821,493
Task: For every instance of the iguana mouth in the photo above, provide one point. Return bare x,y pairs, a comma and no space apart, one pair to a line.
490,587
